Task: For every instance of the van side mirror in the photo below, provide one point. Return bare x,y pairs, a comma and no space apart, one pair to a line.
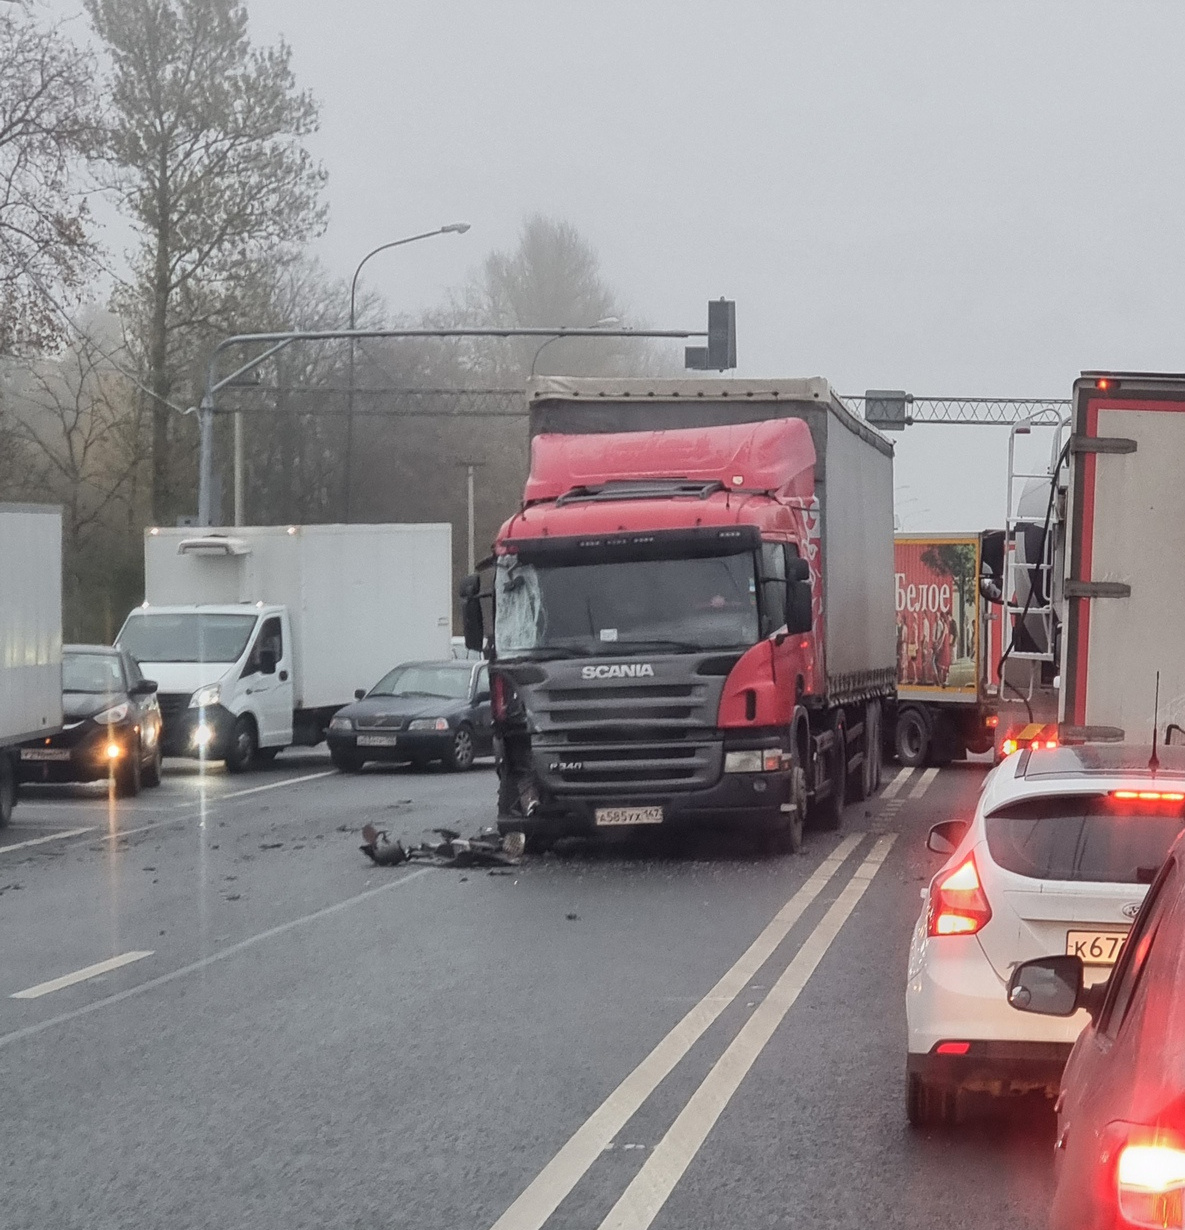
944,838
359,693
799,604
267,661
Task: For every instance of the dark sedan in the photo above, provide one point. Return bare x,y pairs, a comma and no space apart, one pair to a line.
112,724
420,711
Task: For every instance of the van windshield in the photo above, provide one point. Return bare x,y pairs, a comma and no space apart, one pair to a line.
1093,838
186,637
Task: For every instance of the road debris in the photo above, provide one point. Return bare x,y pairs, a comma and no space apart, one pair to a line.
488,848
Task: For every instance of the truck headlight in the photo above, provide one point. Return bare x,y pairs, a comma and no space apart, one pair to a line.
429,724
341,724
204,697
116,713
767,760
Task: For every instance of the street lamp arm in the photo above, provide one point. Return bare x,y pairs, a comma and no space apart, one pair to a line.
457,228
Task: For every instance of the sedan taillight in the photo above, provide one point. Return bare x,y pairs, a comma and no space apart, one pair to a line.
958,904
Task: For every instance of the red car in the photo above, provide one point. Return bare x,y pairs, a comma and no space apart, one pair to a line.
1121,1109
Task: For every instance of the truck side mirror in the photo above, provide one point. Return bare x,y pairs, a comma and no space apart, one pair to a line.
798,569
799,605
470,586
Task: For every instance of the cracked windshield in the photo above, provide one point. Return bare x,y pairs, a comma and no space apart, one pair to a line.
590,635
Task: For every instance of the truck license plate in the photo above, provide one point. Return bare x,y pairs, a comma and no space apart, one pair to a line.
377,740
45,753
1095,947
629,815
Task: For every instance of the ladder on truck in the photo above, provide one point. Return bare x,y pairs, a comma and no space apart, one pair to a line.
1032,623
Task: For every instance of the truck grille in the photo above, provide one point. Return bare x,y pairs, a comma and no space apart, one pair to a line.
638,738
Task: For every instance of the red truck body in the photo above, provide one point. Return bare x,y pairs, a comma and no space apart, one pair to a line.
663,650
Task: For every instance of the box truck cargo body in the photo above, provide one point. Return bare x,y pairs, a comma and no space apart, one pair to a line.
30,633
257,634
693,612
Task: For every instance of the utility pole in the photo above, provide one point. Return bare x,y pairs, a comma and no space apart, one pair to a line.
470,467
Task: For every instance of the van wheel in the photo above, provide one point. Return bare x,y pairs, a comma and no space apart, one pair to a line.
913,738
240,755
930,1106
7,789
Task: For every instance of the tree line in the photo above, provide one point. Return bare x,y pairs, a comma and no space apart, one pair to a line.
198,136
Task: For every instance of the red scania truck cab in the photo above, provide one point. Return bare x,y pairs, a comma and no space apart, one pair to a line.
692,610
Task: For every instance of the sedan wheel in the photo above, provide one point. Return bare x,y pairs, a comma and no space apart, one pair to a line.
460,757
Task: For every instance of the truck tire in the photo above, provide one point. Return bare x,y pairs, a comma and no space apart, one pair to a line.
930,1106
785,834
870,770
913,738
7,788
240,754
830,811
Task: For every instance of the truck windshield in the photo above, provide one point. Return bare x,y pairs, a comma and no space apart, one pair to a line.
680,605
153,637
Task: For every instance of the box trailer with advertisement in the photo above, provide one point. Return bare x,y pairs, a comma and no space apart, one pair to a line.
693,610
30,634
256,635
949,643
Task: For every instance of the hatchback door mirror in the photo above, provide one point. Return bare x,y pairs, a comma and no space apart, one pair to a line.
944,838
1051,986
145,687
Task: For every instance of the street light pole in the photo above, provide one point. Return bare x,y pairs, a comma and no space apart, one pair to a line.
471,558
604,322
453,228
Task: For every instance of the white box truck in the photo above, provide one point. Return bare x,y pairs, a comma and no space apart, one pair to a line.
30,634
258,634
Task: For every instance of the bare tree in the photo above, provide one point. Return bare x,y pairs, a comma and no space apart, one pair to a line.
47,109
205,149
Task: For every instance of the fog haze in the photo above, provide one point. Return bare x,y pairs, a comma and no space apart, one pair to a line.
942,197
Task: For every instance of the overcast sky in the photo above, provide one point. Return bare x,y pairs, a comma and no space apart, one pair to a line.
974,198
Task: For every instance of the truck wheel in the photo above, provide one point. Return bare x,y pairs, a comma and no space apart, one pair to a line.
786,836
150,774
913,738
460,757
240,755
127,776
930,1106
7,788
832,809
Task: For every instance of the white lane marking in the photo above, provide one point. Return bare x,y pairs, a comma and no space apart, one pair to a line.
79,975
549,1188
38,841
924,784
903,775
289,781
645,1196
221,955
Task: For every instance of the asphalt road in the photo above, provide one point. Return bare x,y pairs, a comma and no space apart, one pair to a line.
617,1038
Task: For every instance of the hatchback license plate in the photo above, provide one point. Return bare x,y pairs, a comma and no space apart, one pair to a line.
1095,947
377,740
45,753
629,815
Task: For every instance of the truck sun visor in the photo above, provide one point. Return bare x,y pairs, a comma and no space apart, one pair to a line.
693,543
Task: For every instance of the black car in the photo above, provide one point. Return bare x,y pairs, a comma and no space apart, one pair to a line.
112,724
420,711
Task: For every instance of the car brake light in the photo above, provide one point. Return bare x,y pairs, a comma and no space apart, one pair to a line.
1151,1182
1148,796
958,905
952,1048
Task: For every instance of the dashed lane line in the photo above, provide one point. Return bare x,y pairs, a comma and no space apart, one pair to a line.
556,1180
222,954
80,975
40,841
650,1188
902,776
923,784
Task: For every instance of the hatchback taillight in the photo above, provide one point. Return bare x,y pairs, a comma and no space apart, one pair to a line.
958,904
1150,1178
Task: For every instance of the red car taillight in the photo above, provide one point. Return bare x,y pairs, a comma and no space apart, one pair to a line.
1150,1182
958,904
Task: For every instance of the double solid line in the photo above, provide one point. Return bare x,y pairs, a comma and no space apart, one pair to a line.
653,1184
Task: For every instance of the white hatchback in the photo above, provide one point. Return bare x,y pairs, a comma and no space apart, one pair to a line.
1057,858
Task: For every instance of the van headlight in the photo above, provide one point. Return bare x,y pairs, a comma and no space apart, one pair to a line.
203,698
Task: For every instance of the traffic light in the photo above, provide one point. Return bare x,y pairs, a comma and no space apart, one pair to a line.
720,354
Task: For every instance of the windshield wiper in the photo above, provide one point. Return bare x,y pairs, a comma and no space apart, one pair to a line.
541,653
662,646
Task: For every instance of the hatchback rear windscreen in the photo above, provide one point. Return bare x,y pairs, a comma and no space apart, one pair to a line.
1084,837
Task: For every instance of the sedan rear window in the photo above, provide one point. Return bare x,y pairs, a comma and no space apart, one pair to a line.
1094,838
